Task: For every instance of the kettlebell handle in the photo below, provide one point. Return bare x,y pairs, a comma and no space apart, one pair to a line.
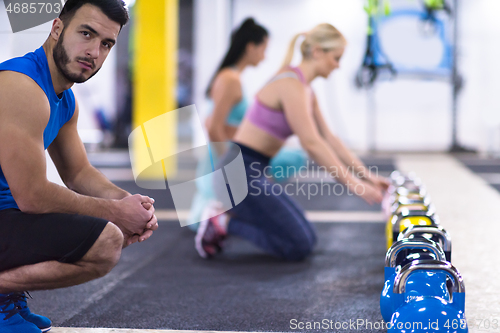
435,230
398,176
429,211
396,219
425,244
430,265
401,190
426,200
430,214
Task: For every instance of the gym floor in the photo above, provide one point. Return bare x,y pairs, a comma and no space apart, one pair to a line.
162,284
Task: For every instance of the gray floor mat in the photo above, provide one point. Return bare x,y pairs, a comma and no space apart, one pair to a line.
163,284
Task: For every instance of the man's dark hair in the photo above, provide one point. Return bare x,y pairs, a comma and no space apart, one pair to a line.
114,9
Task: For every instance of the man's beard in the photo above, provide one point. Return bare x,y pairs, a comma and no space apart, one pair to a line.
62,60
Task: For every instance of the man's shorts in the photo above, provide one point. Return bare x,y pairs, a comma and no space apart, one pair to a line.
27,239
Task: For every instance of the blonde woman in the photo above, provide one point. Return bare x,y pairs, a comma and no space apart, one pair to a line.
287,105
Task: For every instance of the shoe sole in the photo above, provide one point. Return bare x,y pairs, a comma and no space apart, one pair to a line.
46,329
198,240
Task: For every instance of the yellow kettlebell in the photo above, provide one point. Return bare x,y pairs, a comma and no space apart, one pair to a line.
405,218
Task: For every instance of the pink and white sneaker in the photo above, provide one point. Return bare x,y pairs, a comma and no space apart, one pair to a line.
211,233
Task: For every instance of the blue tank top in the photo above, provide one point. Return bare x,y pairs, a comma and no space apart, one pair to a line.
62,107
237,112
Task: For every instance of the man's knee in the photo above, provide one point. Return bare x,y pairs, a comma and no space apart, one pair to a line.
106,251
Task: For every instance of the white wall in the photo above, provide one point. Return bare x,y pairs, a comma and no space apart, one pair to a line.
479,60
411,115
211,36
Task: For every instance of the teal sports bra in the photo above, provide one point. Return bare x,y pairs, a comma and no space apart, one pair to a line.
237,112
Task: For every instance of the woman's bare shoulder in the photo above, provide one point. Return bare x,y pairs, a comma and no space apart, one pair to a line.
228,78
229,75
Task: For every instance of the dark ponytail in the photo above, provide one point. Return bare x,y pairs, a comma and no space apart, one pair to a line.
248,32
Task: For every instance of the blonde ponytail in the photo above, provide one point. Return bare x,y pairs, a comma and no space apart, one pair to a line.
323,35
291,49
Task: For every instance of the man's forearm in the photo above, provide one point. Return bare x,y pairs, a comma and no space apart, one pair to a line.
92,182
52,198
129,214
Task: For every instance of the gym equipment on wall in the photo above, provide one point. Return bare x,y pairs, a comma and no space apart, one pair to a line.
437,18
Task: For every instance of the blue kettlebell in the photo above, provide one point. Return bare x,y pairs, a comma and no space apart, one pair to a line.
436,233
422,283
430,314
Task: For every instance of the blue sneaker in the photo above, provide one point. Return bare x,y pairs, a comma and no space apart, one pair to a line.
19,299
10,319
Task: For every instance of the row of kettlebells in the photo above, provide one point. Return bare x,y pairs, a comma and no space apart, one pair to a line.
423,291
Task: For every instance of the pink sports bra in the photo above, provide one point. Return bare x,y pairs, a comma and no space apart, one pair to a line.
271,120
